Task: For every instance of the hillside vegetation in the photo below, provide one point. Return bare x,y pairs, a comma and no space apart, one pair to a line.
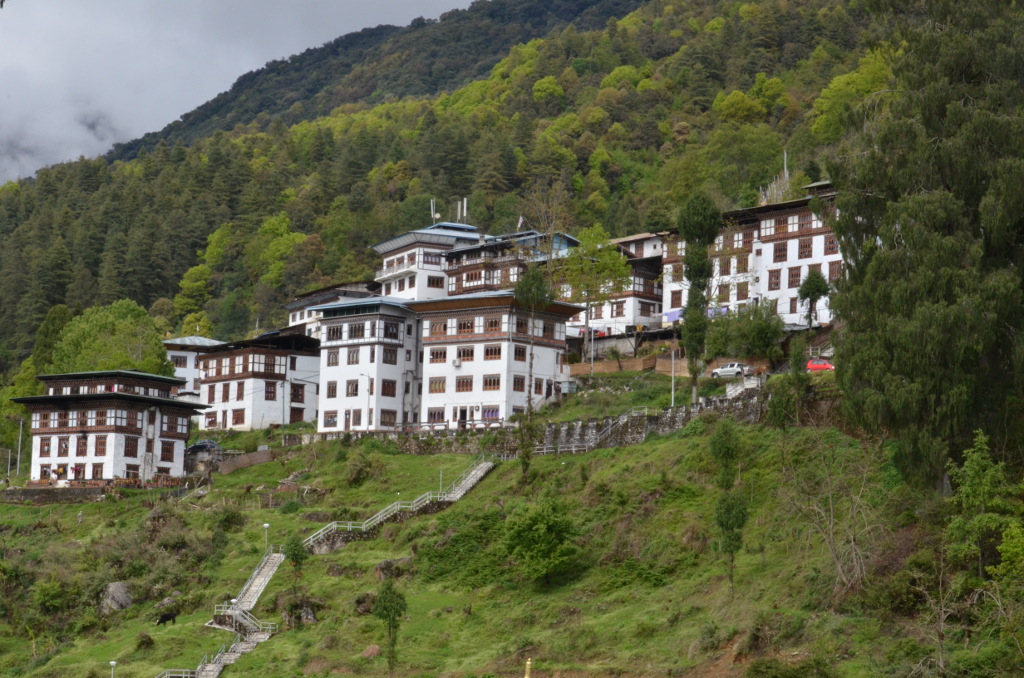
641,584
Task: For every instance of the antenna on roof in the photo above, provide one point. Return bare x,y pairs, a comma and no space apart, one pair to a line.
433,209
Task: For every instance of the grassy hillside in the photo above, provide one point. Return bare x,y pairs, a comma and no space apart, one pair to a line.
644,592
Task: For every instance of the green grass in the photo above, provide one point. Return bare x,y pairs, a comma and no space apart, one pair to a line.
646,594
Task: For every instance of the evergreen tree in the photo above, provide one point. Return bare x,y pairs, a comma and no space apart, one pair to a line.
390,607
699,223
931,223
812,289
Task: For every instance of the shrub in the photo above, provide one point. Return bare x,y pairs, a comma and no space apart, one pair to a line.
144,642
229,520
291,506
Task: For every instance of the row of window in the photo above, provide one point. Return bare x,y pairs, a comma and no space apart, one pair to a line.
646,309
95,418
354,418
218,367
389,356
60,446
359,330
78,471
805,248
468,353
490,382
489,413
295,415
388,388
298,392
111,387
488,325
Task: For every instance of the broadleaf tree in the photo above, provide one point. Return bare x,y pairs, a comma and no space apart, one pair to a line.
931,225
120,336
699,222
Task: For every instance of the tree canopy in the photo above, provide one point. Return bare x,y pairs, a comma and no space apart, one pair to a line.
120,336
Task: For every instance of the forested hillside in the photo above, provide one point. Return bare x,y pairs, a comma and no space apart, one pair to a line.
381,64
615,125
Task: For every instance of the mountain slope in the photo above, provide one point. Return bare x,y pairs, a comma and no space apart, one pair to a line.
379,64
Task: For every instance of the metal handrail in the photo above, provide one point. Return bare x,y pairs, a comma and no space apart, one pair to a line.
271,549
395,507
247,619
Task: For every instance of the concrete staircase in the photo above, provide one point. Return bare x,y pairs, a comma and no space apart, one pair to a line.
258,581
456,492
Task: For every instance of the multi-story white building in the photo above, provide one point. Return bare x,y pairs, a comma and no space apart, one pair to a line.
414,262
496,262
761,257
270,380
301,313
108,425
477,358
369,365
185,353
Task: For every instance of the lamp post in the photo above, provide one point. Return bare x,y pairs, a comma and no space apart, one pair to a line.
266,538
112,665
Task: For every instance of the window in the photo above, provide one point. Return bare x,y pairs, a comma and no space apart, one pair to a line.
163,471
742,291
101,446
332,357
62,419
492,324
618,309
835,270
774,279
435,281
647,309
599,312
388,417
437,384
489,412
831,244
270,390
44,447
131,446
792,305
548,331
465,353
806,247
179,360
167,450
463,384
522,326
779,252
676,299
332,389
388,388
237,417
438,355
725,266
81,446
334,333
353,356
794,277
435,415
412,281
356,330
351,388
357,418
538,386
723,293
438,328
737,240
492,382
211,420
131,471
296,415
518,383
225,392
401,284
743,263
392,331
63,445
97,471
465,326
519,353
240,390
492,352
331,419
293,362
390,356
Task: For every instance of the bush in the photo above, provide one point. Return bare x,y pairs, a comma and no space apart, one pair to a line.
291,506
144,642
229,520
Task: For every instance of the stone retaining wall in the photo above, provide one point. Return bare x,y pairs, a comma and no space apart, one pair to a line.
52,495
236,461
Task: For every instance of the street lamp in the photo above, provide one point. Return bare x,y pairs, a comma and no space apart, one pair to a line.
112,665
266,538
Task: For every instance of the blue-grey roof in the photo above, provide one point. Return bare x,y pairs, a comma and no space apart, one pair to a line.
194,341
364,301
441,233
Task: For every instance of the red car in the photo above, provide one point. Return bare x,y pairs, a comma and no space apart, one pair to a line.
819,365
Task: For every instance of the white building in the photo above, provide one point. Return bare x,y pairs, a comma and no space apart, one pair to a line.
762,257
369,365
108,425
184,353
414,262
270,380
301,314
476,358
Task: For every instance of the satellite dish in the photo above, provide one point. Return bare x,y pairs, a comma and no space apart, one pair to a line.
437,215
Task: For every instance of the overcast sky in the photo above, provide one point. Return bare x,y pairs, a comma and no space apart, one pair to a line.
76,76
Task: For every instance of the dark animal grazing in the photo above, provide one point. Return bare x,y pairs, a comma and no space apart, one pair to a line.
167,617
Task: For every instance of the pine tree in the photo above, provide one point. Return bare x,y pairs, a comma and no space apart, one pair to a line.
931,224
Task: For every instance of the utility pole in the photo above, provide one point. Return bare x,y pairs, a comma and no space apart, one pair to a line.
673,377
21,425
